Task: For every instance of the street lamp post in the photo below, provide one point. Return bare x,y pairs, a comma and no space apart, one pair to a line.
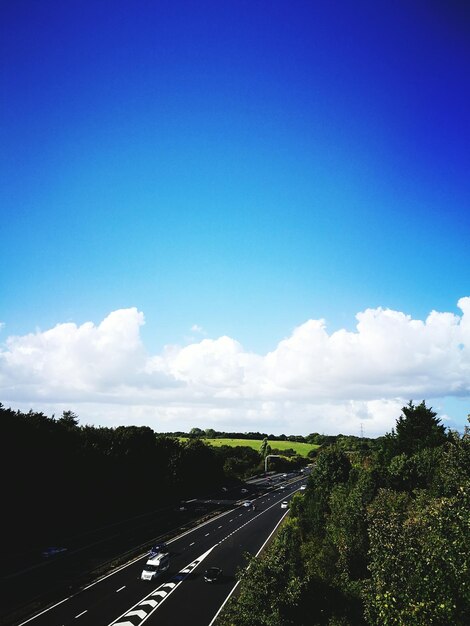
266,461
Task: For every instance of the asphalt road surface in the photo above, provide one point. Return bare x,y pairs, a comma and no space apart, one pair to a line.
180,595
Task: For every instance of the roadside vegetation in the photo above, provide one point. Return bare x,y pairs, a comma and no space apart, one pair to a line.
379,537
77,477
60,479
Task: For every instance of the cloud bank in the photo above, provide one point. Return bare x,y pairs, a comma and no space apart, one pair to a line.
311,381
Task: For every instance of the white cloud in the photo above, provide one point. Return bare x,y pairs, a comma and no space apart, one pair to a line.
311,381
195,328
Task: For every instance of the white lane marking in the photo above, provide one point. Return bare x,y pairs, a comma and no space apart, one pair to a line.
272,533
171,585
191,544
120,589
30,619
154,604
207,534
253,518
138,558
224,602
118,569
82,613
238,582
219,527
231,520
140,614
209,521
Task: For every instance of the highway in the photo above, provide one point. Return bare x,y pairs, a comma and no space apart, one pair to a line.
180,595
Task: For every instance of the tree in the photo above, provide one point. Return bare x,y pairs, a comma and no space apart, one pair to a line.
270,586
418,559
417,428
347,525
69,419
332,468
196,432
238,461
454,467
414,472
265,448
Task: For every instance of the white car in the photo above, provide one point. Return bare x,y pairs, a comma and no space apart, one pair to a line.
248,503
284,504
303,487
155,566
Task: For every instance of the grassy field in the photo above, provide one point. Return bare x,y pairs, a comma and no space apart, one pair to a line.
300,448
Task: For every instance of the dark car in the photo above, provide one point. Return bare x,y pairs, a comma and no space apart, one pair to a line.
212,574
53,551
157,548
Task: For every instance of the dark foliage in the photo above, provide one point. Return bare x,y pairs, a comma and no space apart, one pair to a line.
379,537
71,477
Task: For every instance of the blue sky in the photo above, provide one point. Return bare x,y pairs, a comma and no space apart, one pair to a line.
239,166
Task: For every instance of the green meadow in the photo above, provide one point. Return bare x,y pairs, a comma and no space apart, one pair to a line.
300,448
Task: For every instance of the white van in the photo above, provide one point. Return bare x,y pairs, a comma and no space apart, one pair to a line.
155,566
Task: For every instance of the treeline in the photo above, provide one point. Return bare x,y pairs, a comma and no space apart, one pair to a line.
210,433
380,538
59,478
347,442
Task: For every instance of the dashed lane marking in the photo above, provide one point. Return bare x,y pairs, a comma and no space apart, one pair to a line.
80,614
251,519
238,582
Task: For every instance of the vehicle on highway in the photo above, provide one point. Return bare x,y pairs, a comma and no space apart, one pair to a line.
53,551
303,487
243,490
212,574
284,504
155,566
248,503
157,549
